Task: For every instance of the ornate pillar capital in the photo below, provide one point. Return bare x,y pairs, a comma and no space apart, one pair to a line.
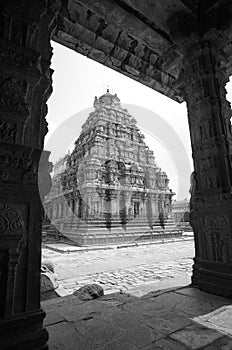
200,59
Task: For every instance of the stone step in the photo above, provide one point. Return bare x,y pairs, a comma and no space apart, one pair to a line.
82,233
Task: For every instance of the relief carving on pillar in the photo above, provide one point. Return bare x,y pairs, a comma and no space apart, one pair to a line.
219,242
212,241
13,101
12,240
8,130
10,220
25,53
204,131
217,232
217,222
211,181
208,173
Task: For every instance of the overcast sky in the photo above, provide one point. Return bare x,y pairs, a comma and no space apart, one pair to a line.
77,80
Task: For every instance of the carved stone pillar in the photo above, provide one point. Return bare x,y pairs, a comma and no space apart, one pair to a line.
25,85
203,86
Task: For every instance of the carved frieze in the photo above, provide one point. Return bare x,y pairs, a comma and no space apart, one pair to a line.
19,165
13,94
216,222
213,236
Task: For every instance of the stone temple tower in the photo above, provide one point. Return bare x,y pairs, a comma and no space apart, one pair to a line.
110,188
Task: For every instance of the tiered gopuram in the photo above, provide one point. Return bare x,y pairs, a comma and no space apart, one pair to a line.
110,188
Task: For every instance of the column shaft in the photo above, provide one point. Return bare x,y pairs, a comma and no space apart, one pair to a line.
25,79
209,116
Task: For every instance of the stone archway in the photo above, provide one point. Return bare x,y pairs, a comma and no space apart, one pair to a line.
185,57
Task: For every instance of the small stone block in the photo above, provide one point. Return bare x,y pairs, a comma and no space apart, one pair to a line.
89,291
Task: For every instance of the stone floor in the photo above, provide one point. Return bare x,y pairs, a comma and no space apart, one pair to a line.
174,319
144,267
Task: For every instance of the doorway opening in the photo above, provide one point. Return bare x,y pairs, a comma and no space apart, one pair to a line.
125,247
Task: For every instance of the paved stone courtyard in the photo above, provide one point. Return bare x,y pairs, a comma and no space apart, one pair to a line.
138,269
164,320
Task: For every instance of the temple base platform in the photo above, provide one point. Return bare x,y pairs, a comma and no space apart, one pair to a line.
96,233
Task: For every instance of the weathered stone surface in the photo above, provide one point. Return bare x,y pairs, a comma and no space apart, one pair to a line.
141,335
83,310
224,343
102,324
89,292
193,306
146,34
130,45
120,343
63,335
169,323
196,293
210,201
52,317
63,303
166,344
118,298
204,297
97,332
196,337
162,303
25,85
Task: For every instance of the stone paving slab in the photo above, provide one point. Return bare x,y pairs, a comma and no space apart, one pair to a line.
197,306
195,337
121,343
221,320
165,344
169,323
224,343
197,293
123,321
63,336
52,317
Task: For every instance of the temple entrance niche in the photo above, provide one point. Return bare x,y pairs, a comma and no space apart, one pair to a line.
136,209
